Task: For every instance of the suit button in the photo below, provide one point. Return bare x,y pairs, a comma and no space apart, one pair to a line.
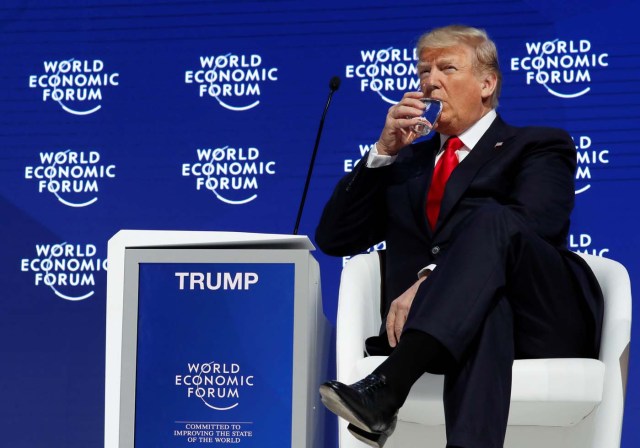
435,250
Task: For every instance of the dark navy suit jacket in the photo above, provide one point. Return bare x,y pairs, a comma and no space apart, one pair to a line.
529,170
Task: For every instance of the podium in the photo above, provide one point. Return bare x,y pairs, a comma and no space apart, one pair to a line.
213,338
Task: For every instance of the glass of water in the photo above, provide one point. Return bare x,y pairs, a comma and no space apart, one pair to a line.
429,116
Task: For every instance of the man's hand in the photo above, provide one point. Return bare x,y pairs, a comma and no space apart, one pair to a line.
399,311
397,132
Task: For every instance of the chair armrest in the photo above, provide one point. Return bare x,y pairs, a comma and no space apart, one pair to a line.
614,350
358,311
616,289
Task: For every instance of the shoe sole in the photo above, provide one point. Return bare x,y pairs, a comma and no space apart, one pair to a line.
365,437
334,403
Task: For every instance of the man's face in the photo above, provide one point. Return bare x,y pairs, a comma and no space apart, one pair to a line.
448,74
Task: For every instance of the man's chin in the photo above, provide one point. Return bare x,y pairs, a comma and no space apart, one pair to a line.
442,127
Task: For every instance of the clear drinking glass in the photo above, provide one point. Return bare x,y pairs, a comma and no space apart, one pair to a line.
429,116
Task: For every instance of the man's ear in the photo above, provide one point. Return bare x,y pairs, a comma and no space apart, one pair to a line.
488,83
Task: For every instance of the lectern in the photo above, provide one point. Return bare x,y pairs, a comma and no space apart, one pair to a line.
213,338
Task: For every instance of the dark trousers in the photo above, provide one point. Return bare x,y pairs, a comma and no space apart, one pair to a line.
499,293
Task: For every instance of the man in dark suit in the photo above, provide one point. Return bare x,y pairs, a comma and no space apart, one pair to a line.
480,213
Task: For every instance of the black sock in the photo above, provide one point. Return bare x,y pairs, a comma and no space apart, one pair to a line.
408,361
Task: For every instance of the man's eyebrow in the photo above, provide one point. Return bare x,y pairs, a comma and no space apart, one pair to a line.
446,61
437,62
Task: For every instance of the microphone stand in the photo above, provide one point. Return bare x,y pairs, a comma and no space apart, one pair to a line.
333,86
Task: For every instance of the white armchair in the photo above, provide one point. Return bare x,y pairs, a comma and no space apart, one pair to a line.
555,403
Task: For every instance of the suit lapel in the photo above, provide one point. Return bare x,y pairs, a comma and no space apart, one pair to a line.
418,186
489,146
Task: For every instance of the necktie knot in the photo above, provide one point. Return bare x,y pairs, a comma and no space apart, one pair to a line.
453,144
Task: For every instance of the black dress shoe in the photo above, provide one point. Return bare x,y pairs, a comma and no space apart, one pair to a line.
369,404
374,439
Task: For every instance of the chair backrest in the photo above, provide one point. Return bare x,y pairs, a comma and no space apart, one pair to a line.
616,289
614,349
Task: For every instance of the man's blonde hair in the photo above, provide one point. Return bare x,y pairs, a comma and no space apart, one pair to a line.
486,60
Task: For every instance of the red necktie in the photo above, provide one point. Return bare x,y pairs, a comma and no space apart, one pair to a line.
447,162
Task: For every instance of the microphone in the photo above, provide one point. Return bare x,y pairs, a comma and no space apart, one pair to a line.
334,84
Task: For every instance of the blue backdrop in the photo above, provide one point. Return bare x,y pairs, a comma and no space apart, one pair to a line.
201,115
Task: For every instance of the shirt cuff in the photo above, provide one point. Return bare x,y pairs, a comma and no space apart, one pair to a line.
426,270
375,160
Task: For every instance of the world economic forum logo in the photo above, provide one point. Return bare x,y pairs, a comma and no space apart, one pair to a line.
230,173
218,385
73,177
583,243
591,158
76,85
67,269
234,81
563,67
387,72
